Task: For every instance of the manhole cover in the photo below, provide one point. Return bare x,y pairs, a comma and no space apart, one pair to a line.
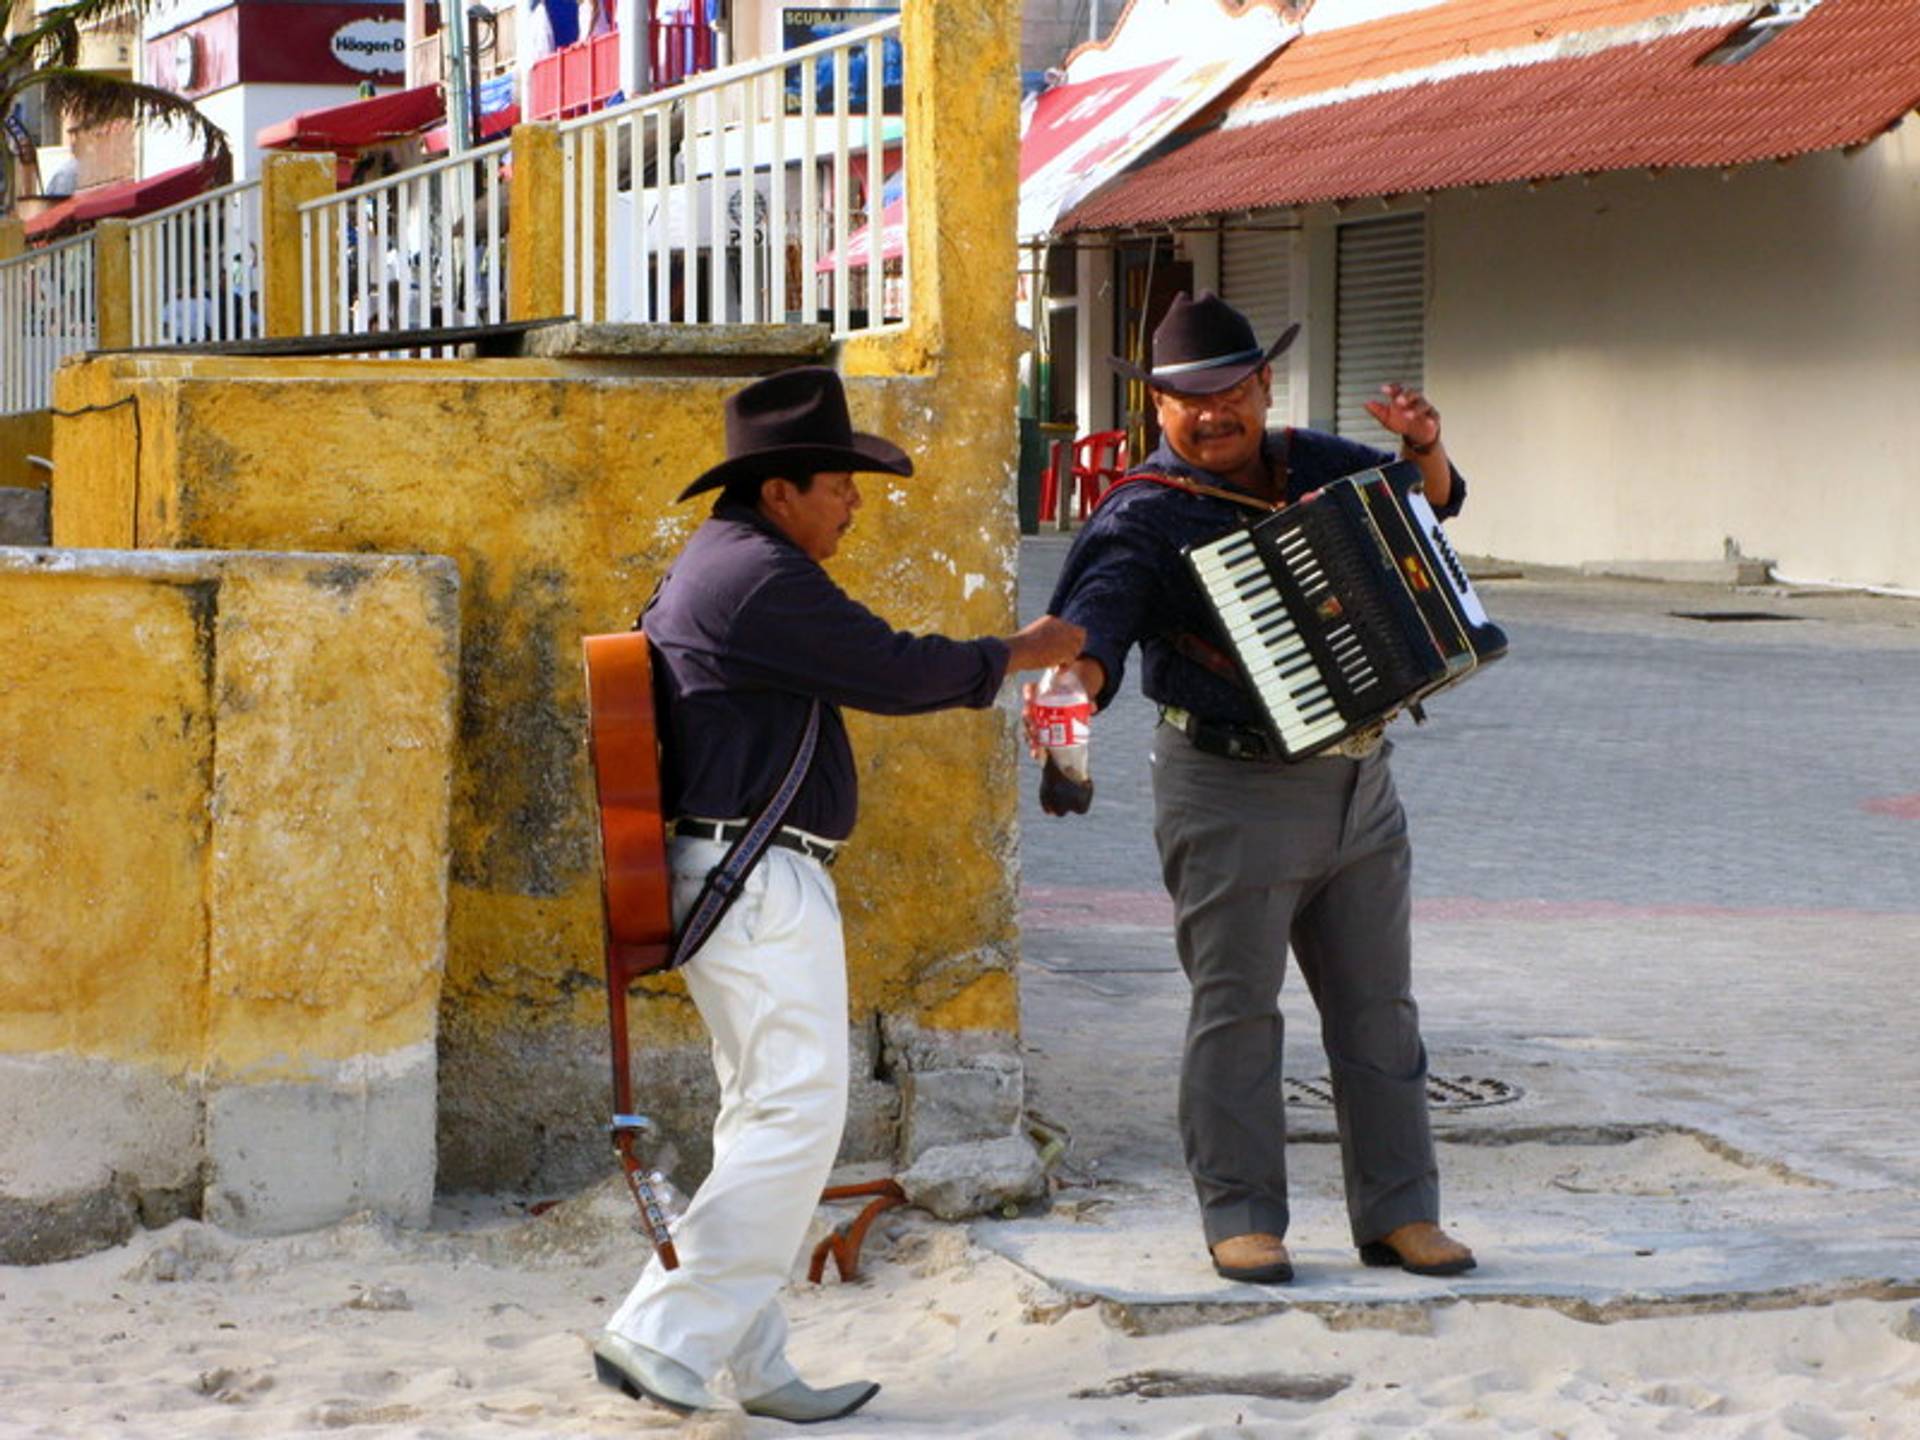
1444,1092
1737,616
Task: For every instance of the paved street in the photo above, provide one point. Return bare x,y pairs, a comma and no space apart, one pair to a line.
1667,877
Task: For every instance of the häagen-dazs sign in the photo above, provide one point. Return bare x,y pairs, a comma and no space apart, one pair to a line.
372,46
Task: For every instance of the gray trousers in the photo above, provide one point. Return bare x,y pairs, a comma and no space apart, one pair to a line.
1257,856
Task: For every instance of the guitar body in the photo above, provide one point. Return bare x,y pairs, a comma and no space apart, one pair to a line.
626,770
635,882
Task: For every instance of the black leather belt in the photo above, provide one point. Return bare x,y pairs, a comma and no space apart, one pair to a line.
1218,737
786,837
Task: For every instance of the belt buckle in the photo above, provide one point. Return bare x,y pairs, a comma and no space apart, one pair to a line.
1362,743
1243,747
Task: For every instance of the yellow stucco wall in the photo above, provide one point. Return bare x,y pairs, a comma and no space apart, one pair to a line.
224,782
106,747
551,484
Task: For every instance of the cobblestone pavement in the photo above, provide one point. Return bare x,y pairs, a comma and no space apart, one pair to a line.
1667,883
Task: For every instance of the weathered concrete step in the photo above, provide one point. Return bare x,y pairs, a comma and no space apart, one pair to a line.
25,518
683,349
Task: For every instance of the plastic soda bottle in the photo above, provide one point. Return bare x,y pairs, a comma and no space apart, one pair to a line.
1063,721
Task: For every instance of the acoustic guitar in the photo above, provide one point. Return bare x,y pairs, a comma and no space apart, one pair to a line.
635,883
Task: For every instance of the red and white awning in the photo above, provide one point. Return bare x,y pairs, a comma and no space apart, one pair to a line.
346,129
1121,98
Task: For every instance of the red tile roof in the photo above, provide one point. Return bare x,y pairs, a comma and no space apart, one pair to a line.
1484,92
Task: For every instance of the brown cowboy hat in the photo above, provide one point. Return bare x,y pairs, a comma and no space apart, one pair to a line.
1203,346
795,424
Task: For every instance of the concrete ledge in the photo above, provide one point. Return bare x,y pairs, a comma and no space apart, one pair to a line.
288,1156
1632,1236
139,1155
684,349
245,1028
1740,570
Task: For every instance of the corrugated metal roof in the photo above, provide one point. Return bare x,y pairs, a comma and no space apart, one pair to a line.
1481,92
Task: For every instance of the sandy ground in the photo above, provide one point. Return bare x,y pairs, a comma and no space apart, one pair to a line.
1675,904
480,1328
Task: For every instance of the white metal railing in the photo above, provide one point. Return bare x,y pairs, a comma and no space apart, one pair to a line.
47,312
196,269
415,251
754,194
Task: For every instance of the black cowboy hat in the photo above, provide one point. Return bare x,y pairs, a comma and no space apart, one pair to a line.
1202,346
795,424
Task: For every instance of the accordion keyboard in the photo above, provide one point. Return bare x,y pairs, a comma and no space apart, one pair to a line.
1271,647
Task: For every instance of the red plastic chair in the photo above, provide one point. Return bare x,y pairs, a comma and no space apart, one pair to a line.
1096,463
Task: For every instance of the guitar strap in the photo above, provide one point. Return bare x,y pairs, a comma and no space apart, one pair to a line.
1192,487
1197,648
726,880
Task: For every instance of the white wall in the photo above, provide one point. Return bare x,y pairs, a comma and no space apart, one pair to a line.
1640,368
242,111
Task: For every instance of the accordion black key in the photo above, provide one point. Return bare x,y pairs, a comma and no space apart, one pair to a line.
1345,607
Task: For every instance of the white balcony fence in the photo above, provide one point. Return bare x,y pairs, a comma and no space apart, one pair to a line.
419,250
749,195
196,269
46,314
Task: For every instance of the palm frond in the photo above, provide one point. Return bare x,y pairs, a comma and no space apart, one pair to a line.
90,99
82,15
53,39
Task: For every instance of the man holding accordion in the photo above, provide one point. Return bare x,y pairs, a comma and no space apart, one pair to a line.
1260,854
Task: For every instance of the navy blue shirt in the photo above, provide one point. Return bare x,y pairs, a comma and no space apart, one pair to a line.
747,629
1126,582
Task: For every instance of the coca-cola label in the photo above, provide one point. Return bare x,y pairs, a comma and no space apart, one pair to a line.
1059,725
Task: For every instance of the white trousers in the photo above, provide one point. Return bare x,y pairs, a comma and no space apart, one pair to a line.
771,985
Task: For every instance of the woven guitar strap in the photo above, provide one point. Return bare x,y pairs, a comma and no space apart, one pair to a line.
727,879
1198,648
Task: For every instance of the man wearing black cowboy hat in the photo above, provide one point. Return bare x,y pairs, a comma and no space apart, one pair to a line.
1259,855
749,633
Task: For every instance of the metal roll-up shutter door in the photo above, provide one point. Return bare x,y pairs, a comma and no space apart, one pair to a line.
1380,319
1256,279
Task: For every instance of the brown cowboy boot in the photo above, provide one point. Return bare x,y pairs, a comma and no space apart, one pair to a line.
1419,1247
1260,1259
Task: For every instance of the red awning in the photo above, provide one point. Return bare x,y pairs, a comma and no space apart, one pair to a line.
128,198
355,126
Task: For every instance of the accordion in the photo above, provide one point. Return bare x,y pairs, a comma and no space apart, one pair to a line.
1345,607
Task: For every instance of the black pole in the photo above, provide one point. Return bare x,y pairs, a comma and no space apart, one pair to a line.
473,77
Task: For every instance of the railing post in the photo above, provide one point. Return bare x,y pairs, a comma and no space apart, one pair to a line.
536,267
112,286
963,181
13,238
286,183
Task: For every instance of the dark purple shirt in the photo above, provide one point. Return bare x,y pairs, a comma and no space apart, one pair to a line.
1126,581
747,629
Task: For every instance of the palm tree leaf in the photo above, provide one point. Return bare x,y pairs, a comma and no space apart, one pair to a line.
89,99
